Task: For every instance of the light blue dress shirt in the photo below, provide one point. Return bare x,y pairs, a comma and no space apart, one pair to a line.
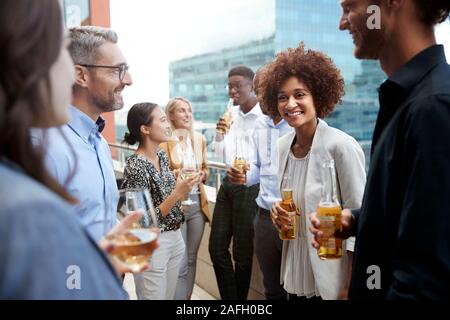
93,182
264,166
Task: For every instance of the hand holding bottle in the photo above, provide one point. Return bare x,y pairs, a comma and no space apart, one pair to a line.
222,126
224,123
280,217
348,226
238,176
288,212
329,212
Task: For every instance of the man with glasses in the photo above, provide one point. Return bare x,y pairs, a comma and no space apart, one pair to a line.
235,203
86,168
268,246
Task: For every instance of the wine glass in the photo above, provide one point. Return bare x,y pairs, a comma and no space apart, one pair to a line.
179,137
189,169
135,246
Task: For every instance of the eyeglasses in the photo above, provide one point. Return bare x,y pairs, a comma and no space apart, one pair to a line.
123,68
237,86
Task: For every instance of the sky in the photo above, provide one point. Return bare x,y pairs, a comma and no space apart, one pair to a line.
153,33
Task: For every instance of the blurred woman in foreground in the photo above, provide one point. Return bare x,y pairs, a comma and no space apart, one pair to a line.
45,253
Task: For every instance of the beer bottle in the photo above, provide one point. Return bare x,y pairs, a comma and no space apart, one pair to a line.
227,116
288,204
329,213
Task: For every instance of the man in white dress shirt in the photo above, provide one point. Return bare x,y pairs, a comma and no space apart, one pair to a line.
268,246
235,204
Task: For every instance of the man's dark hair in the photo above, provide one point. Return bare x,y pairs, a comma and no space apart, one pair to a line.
433,12
243,71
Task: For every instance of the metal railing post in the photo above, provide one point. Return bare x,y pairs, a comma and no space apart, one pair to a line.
218,181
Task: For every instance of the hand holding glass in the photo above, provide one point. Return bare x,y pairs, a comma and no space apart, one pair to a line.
134,246
189,169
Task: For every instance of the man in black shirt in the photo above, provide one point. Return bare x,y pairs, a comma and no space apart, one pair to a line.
403,227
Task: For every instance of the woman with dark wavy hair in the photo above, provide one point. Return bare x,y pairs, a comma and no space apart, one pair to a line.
304,86
44,251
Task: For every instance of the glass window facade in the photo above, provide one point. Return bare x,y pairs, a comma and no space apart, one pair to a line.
202,79
316,24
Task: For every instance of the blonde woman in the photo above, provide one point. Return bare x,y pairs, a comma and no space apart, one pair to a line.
179,114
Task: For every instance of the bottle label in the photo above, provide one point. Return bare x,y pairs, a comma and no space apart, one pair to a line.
327,218
292,221
330,243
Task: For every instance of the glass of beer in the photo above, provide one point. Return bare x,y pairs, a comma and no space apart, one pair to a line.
135,247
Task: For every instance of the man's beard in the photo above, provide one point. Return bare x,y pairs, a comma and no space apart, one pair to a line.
107,105
370,43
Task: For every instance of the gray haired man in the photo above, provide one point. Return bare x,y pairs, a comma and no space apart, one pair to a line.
101,76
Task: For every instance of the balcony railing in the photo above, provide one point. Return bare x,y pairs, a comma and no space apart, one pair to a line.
121,152
205,270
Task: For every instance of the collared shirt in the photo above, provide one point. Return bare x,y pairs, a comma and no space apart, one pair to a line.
238,138
93,182
403,226
264,166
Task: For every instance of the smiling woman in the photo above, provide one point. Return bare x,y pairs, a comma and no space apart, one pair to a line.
319,76
304,85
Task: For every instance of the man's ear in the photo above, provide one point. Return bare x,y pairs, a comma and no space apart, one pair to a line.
252,88
81,76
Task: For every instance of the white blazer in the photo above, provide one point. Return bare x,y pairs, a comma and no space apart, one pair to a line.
328,143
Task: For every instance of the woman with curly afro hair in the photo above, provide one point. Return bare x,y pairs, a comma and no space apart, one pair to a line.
304,86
